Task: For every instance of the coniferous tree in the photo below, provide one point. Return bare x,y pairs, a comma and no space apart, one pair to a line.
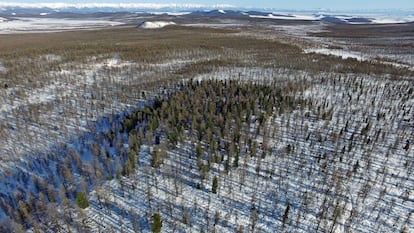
215,185
156,223
286,214
82,200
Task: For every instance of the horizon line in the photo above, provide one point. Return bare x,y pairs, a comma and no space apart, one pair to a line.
62,5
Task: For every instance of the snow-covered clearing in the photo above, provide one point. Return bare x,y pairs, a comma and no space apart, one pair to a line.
337,52
360,56
30,25
393,19
155,24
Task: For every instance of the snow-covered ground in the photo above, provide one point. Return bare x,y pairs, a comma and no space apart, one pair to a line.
178,13
392,19
2,68
287,16
346,172
337,52
70,97
340,160
348,168
27,25
350,18
155,24
356,55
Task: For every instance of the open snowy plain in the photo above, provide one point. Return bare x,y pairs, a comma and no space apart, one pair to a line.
36,25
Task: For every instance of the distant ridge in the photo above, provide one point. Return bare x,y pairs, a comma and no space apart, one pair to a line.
61,5
59,10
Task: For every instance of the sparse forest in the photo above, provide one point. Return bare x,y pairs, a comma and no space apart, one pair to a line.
123,130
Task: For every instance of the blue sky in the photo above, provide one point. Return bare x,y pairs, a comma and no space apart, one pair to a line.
280,4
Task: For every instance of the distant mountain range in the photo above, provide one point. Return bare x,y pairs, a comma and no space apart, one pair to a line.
111,7
57,10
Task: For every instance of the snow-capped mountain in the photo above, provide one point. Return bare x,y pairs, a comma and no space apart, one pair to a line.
108,7
10,9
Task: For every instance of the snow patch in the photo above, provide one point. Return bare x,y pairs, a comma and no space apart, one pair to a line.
51,57
350,18
356,55
155,24
171,13
222,11
287,17
338,53
2,68
391,20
